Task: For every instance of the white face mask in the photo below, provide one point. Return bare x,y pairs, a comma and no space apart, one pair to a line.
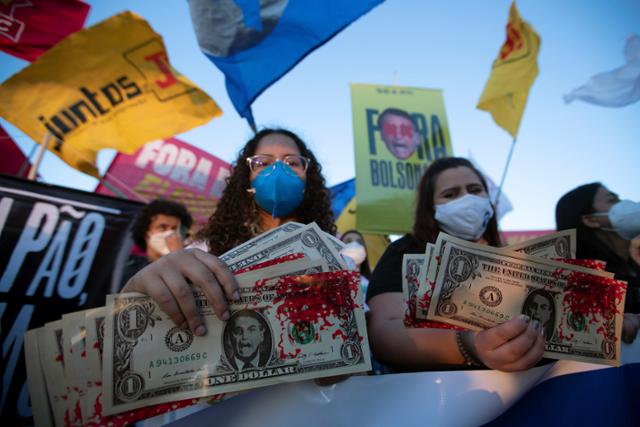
466,217
355,251
625,218
158,242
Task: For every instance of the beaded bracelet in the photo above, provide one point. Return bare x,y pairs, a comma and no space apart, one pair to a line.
469,359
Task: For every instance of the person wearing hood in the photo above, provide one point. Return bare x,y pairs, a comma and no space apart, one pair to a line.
452,197
605,229
159,228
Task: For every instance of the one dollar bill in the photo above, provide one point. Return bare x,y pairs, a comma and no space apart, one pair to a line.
309,240
267,340
556,245
580,309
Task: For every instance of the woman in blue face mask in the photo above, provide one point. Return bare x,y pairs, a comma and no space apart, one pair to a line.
275,179
452,197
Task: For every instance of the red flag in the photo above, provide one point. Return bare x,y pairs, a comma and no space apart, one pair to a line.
29,27
12,161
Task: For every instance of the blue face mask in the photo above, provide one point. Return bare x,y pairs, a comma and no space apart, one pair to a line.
278,190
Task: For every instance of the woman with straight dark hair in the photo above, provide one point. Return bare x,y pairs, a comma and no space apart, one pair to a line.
605,227
452,197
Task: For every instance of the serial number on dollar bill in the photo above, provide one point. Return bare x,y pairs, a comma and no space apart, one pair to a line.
176,360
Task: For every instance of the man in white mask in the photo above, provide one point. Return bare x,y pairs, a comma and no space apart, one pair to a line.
604,227
159,229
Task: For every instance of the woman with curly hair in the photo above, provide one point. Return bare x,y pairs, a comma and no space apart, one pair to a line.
275,179
239,216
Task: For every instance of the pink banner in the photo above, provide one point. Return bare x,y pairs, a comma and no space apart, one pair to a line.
169,169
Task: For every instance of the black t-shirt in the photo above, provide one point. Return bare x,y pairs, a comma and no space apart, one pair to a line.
387,276
134,264
628,271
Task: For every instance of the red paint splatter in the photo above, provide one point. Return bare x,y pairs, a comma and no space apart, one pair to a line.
313,298
130,417
283,354
411,320
97,408
595,299
271,262
77,413
588,263
339,333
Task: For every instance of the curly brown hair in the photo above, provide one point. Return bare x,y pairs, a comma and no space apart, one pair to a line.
236,218
145,216
425,227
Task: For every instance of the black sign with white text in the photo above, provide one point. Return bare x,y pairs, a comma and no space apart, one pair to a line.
58,253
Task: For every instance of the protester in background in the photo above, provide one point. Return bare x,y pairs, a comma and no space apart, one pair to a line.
159,228
356,249
275,179
604,227
452,197
399,132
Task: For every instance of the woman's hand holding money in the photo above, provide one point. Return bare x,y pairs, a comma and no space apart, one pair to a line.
515,345
168,281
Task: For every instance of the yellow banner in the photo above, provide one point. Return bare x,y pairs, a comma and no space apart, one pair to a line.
108,86
397,132
514,71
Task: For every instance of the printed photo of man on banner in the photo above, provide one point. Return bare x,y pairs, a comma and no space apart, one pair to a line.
398,132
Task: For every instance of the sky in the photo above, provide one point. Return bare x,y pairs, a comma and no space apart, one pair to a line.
448,45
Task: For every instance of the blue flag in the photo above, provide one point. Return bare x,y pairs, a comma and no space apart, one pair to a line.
255,42
341,195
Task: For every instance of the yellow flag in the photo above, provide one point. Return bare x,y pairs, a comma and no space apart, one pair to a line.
108,86
513,72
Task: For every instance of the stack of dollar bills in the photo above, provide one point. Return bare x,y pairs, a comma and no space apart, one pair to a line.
300,316
462,285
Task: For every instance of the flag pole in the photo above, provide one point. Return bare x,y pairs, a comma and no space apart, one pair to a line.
504,173
36,162
111,188
25,163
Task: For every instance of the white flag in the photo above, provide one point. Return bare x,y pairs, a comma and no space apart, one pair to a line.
615,88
